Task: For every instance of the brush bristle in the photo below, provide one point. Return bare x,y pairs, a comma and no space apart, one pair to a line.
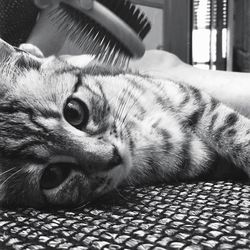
130,14
94,39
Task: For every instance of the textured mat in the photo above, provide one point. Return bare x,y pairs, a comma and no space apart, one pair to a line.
185,216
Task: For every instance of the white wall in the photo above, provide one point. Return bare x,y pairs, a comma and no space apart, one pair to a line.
155,38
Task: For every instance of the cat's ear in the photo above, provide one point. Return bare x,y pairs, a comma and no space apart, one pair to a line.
21,59
5,50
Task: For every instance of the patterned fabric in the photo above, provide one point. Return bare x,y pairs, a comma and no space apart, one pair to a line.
17,18
185,216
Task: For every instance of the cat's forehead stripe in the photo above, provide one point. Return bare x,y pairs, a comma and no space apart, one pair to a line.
78,83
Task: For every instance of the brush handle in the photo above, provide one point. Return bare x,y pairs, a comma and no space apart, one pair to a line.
117,27
42,4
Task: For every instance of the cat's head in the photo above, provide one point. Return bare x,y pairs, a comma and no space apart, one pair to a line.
59,143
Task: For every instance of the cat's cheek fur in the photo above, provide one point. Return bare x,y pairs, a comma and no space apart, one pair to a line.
159,140
2,193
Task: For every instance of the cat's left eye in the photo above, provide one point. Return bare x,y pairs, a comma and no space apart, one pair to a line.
76,113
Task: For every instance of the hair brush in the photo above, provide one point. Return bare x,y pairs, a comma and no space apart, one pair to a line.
112,30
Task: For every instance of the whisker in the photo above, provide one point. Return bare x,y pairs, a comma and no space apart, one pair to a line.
130,108
124,105
122,196
124,108
82,205
7,171
125,102
117,103
12,175
120,105
126,115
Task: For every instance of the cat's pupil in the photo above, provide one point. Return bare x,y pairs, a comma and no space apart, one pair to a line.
54,175
76,113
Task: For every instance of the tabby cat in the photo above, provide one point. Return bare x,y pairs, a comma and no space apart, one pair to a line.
70,133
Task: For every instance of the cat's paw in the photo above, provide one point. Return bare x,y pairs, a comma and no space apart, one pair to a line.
32,49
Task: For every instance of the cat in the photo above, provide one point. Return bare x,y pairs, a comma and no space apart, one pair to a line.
70,133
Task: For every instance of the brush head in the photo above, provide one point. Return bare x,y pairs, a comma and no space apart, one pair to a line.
93,38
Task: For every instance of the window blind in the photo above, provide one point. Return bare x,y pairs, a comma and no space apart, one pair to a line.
210,22
206,13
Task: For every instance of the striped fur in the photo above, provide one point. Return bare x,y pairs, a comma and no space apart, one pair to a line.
162,130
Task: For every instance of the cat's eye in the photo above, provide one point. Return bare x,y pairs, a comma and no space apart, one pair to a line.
55,175
76,113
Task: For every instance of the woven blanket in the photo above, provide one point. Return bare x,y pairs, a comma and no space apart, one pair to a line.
197,216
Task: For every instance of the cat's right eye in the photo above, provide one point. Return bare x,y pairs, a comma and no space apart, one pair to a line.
76,113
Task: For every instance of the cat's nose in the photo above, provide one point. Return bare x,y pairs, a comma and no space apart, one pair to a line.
115,160
96,164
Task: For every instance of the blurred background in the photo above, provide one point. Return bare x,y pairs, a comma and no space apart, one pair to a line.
210,34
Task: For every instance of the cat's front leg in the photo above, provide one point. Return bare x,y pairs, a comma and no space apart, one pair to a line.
229,133
222,128
167,151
